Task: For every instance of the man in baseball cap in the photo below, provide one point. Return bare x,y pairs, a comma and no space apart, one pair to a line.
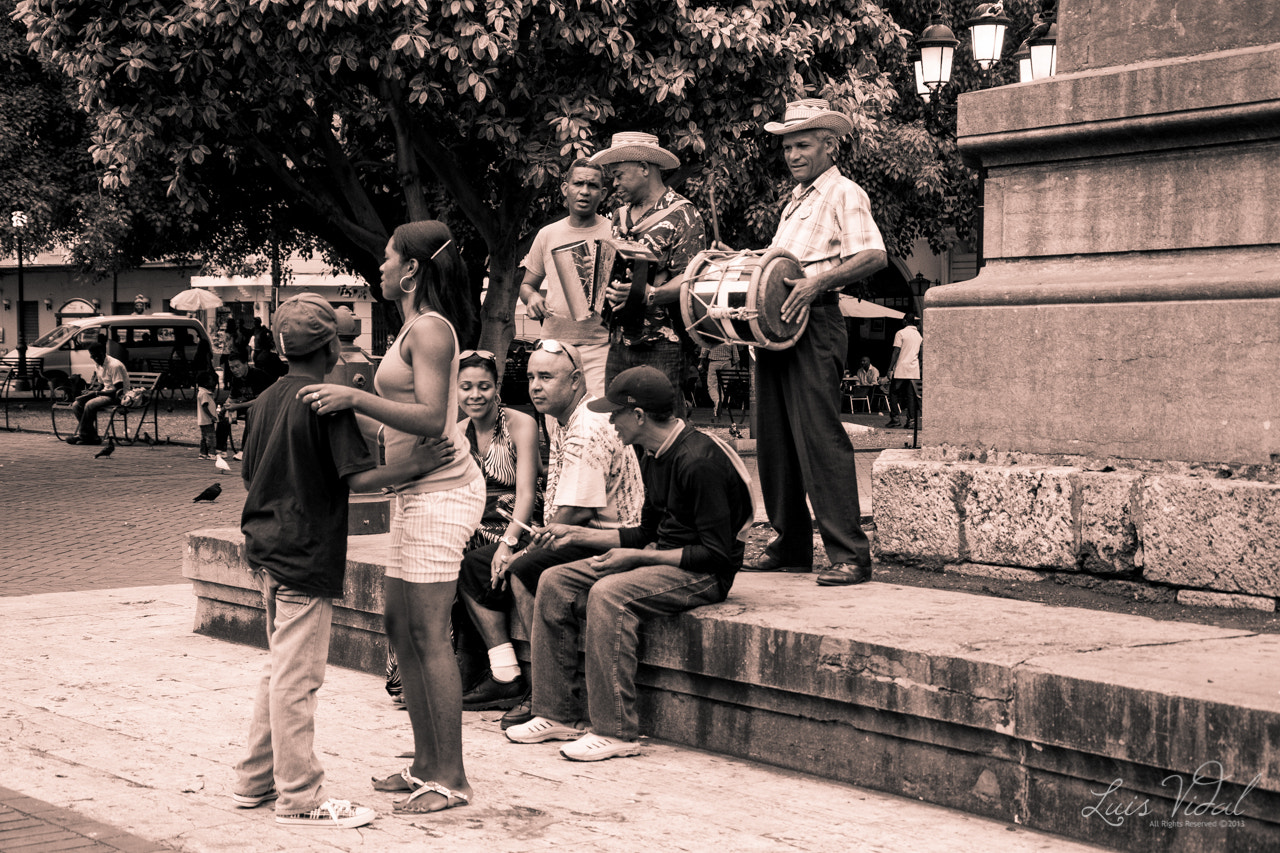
684,554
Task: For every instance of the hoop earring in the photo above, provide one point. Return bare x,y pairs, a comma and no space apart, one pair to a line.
407,289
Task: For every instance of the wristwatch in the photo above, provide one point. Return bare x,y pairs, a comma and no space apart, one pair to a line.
509,541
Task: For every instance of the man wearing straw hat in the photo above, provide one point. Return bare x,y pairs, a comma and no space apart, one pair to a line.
671,227
804,449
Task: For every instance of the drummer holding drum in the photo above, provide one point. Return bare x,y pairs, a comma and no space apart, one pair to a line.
827,226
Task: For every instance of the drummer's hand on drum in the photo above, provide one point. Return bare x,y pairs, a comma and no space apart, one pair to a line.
720,247
803,292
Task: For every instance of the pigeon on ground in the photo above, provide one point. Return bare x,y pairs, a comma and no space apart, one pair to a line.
209,494
221,464
106,451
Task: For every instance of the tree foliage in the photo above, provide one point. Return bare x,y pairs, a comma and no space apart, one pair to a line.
338,119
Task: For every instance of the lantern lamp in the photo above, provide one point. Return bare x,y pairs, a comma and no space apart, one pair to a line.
918,65
986,33
937,45
1043,44
1023,55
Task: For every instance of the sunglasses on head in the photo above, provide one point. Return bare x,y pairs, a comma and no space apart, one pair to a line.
553,346
482,353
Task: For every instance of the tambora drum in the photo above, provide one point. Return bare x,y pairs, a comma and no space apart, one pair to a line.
736,298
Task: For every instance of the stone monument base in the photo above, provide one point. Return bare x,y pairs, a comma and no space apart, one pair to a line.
1197,533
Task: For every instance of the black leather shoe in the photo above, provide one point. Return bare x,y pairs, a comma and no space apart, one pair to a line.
520,713
844,574
491,694
769,564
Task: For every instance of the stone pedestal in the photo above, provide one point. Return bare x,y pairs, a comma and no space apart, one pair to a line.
1127,316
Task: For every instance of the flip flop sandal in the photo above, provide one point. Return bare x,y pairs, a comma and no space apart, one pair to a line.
452,799
397,783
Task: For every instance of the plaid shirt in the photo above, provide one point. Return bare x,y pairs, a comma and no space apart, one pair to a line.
675,239
827,222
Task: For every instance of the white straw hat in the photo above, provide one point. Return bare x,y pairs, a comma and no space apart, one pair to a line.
635,147
809,113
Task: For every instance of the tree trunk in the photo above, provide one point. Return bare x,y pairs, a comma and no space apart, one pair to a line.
497,315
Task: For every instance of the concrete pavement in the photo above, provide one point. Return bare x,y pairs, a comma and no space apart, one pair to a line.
119,726
112,708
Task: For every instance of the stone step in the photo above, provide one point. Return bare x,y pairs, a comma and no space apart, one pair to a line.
1077,722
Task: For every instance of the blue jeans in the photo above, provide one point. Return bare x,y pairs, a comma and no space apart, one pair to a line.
576,598
86,408
281,749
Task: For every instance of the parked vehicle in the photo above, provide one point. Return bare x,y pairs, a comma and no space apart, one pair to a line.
167,342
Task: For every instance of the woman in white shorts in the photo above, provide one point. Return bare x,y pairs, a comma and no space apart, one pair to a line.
433,516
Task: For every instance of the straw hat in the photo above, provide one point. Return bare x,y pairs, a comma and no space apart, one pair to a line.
810,113
634,147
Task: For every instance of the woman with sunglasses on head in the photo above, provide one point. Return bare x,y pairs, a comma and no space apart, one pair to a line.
434,516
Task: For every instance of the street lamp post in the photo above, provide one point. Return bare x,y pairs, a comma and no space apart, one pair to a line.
20,223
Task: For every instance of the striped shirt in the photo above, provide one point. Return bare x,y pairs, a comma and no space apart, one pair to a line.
827,222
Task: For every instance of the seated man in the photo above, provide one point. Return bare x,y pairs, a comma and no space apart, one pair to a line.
110,381
244,384
593,480
867,373
684,554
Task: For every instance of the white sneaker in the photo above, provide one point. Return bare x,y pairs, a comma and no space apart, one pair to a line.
541,729
239,457
332,814
593,747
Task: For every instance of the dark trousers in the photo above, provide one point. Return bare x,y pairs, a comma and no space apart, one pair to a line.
803,448
904,394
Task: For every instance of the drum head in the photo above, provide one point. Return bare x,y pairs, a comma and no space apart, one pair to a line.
772,293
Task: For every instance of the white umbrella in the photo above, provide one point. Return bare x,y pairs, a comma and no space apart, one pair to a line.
851,306
194,300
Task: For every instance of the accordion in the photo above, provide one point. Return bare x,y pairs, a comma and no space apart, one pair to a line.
586,268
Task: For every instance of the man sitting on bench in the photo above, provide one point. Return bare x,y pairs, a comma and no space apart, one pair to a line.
110,381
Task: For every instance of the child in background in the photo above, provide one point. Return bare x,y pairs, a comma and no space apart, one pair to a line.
206,411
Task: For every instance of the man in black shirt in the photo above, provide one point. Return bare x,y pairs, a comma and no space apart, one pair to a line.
684,554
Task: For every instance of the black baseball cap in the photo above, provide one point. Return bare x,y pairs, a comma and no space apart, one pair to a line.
641,387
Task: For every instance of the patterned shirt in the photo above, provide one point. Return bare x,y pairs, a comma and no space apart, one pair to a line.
591,467
827,222
675,239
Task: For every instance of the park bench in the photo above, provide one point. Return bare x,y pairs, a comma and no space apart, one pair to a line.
145,401
17,381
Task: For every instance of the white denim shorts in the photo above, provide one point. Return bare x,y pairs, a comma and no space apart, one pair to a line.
430,530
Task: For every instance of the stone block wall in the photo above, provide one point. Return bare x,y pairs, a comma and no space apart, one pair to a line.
1175,527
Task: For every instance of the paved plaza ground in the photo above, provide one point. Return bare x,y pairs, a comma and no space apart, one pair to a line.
120,725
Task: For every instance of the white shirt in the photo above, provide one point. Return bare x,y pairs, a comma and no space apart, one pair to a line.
908,342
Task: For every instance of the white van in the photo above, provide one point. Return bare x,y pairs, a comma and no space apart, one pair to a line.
142,341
